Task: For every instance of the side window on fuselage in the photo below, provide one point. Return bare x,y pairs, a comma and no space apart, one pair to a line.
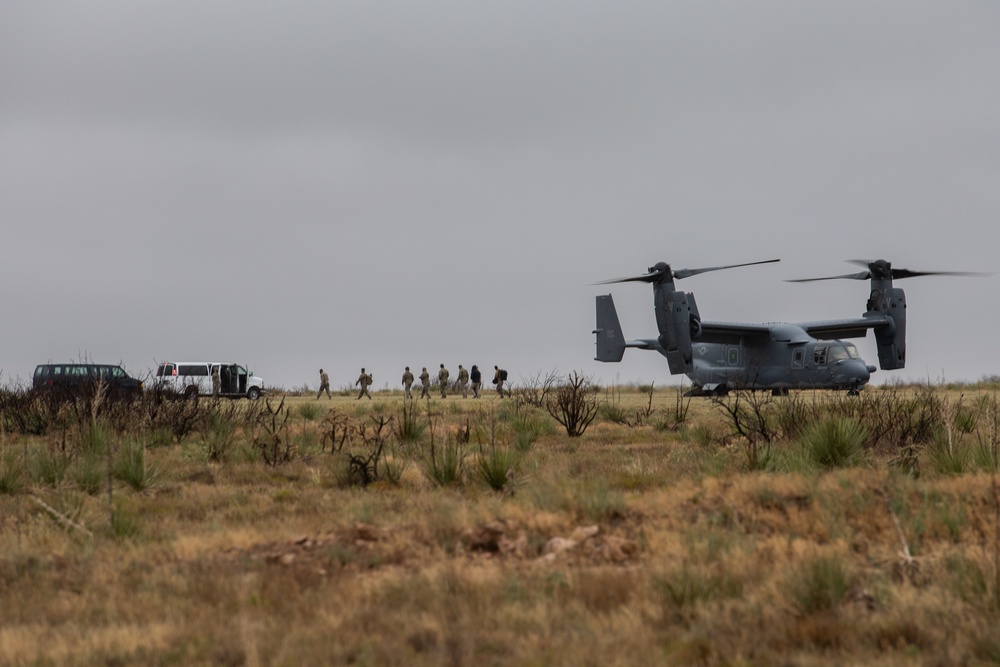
819,355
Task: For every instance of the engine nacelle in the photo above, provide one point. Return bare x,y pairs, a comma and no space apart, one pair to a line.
891,339
674,321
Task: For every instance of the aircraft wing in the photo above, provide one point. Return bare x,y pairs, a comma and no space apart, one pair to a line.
849,328
644,344
731,332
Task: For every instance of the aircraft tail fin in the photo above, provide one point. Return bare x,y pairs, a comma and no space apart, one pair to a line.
610,339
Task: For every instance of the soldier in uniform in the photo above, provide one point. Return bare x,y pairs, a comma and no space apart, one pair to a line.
477,380
425,383
407,383
463,381
497,380
443,381
364,380
324,385
216,381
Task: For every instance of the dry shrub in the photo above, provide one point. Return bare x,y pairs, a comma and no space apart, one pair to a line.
575,404
270,434
753,418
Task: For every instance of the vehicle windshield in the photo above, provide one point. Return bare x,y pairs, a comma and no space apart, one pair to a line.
841,353
836,354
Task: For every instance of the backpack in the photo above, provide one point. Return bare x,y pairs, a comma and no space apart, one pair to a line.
370,378
503,375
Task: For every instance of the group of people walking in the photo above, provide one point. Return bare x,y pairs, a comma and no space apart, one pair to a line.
465,377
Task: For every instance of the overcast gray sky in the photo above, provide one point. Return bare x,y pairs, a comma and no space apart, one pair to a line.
343,184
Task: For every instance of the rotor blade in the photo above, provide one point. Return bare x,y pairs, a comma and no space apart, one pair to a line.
906,273
864,275
687,273
644,278
896,274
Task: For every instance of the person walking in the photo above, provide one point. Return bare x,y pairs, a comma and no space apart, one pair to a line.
425,383
324,385
463,381
477,380
365,379
443,381
499,375
407,383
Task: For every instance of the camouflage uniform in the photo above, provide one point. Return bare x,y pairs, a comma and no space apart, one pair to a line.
216,381
324,384
364,380
443,381
497,381
407,383
463,381
425,383
477,381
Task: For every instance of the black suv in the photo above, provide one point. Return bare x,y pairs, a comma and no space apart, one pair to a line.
78,378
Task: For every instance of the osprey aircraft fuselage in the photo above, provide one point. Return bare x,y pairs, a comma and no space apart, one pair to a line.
720,356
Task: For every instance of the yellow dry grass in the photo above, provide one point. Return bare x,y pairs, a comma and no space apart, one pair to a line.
626,546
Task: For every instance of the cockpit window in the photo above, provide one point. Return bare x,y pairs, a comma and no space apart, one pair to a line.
837,354
852,351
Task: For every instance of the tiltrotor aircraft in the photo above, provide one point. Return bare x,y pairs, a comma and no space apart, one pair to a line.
720,356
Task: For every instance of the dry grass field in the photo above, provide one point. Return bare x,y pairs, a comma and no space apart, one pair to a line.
832,531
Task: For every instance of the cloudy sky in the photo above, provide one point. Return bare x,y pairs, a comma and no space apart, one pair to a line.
344,184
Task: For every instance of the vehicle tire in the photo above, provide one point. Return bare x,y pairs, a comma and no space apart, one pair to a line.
191,392
253,393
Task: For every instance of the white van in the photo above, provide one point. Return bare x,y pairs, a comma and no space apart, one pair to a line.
194,378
